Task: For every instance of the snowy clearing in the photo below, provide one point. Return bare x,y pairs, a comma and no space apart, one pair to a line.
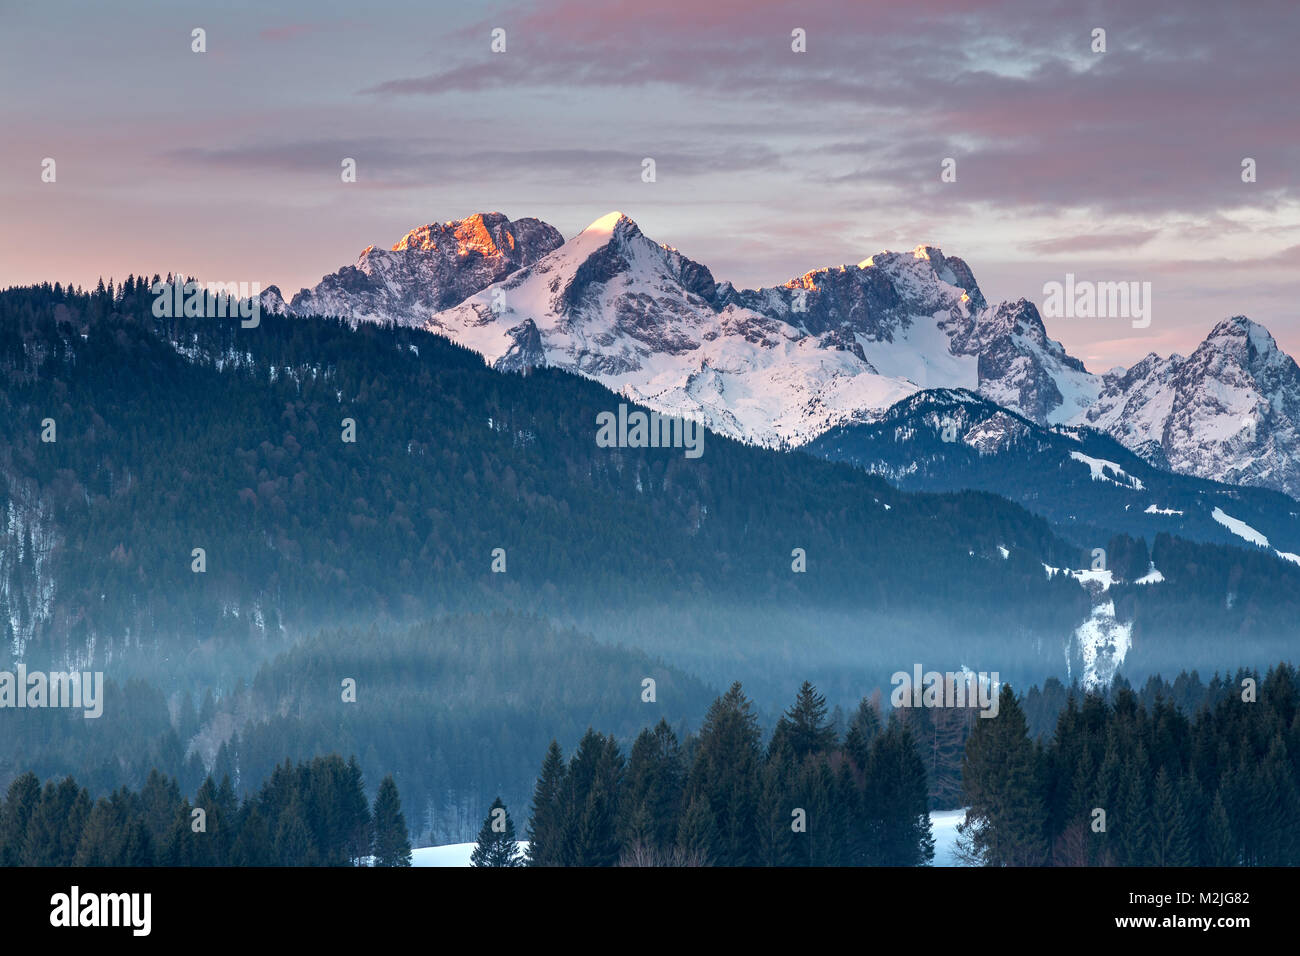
944,823
1240,528
1099,467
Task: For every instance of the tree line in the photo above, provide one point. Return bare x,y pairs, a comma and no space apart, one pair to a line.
724,798
311,814
1126,783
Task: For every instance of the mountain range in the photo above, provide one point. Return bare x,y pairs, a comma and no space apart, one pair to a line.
835,347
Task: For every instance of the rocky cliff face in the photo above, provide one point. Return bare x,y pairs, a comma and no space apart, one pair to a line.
429,269
1229,411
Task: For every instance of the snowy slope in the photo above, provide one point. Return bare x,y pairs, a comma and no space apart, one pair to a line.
1230,411
428,269
774,366
782,365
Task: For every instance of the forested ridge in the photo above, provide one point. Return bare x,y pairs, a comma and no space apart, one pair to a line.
182,433
175,434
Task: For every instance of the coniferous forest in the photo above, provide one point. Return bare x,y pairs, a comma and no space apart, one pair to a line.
1125,779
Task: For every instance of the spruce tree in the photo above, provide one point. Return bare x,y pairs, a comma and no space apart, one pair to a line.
1006,819
392,844
497,845
546,825
253,844
20,801
651,805
809,730
725,776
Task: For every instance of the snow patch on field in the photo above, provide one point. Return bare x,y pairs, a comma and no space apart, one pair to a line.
1099,468
450,854
1156,510
1103,579
1240,528
1102,643
1151,577
943,822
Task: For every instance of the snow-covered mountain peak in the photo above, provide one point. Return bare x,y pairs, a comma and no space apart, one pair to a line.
926,265
1229,411
430,268
836,345
611,223
1246,341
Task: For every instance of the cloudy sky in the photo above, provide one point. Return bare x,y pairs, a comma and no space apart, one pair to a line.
1117,166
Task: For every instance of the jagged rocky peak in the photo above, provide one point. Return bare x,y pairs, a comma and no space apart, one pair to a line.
614,245
1247,341
1238,351
431,268
487,234
927,266
613,224
782,364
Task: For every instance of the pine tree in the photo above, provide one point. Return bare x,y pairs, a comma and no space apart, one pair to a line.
863,728
54,828
1006,818
392,844
696,834
896,800
808,728
1220,846
546,825
497,845
253,844
651,805
1170,842
589,802
294,845
725,776
20,801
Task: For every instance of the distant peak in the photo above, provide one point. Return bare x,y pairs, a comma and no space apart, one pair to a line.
1240,327
472,232
611,223
929,253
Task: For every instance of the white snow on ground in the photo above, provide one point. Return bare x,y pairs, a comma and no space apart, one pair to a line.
1288,556
1240,528
1103,578
1151,577
1102,643
944,823
1155,510
1099,468
451,854
1004,552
